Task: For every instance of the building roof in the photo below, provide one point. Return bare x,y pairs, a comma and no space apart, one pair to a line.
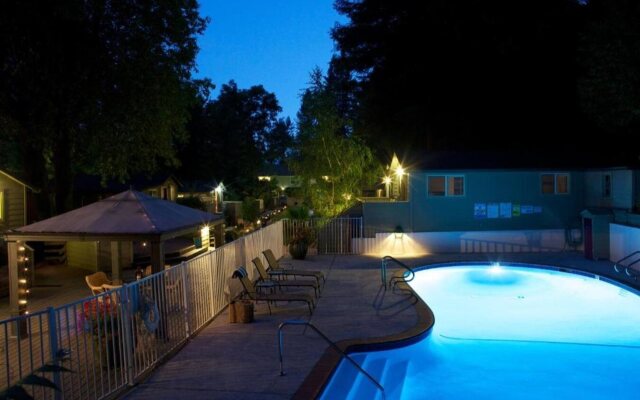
523,160
13,178
127,213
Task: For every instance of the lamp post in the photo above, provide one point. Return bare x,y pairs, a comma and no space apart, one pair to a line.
218,196
399,173
387,181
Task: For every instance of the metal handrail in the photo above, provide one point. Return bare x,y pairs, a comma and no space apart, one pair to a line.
615,266
394,280
628,268
331,343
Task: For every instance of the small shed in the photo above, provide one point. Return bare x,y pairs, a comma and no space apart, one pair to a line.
595,228
120,219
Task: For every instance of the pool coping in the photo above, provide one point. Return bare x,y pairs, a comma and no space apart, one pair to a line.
323,370
320,375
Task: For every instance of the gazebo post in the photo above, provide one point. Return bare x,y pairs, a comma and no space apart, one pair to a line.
116,267
218,234
18,328
12,251
157,256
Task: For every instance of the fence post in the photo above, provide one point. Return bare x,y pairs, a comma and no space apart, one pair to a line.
361,227
185,299
210,263
127,320
53,348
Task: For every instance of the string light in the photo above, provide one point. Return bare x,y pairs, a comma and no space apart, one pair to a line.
23,260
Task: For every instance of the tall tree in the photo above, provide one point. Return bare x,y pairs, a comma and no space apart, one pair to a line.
332,163
446,74
98,86
609,73
233,135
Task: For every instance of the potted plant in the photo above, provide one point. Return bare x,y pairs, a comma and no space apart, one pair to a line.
300,242
103,321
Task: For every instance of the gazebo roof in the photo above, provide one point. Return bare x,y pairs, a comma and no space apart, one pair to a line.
129,213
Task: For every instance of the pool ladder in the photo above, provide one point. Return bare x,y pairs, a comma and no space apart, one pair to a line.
395,279
629,271
331,343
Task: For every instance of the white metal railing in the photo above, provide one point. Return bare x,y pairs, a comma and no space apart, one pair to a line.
117,337
333,236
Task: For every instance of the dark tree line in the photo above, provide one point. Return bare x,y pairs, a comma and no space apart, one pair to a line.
234,135
94,86
498,74
106,88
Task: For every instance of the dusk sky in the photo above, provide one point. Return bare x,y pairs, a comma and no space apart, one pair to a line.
275,43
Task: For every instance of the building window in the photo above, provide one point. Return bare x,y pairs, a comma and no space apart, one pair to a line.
436,185
606,186
555,183
449,186
455,186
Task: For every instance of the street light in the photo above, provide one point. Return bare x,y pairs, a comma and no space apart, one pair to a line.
399,173
387,181
218,196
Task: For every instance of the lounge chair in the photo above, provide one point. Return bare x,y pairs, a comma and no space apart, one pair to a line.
252,294
99,283
264,277
276,269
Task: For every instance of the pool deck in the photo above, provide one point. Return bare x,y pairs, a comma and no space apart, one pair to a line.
240,361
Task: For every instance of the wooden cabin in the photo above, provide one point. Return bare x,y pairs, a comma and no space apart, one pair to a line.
15,202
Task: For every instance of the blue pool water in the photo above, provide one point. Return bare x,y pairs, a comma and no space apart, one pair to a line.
509,333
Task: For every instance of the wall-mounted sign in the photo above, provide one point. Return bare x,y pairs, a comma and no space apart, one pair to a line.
526,209
480,210
493,210
516,210
505,210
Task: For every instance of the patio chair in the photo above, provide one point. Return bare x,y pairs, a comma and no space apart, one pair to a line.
252,294
99,283
275,269
264,277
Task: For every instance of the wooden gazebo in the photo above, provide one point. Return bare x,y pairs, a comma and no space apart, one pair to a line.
126,217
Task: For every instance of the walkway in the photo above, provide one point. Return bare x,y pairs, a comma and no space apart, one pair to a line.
239,361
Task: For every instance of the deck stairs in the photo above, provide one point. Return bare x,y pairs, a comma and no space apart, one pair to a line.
348,383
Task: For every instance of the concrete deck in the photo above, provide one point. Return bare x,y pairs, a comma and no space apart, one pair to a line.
240,361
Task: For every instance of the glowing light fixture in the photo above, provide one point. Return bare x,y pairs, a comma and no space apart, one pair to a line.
495,269
400,170
386,180
398,233
204,231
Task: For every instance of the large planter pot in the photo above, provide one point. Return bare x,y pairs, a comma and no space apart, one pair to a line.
298,250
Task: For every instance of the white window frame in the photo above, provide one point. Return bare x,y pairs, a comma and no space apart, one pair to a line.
446,185
555,183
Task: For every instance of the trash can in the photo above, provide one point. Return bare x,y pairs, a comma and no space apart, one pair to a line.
241,312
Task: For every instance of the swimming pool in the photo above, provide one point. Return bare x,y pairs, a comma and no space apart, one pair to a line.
509,332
